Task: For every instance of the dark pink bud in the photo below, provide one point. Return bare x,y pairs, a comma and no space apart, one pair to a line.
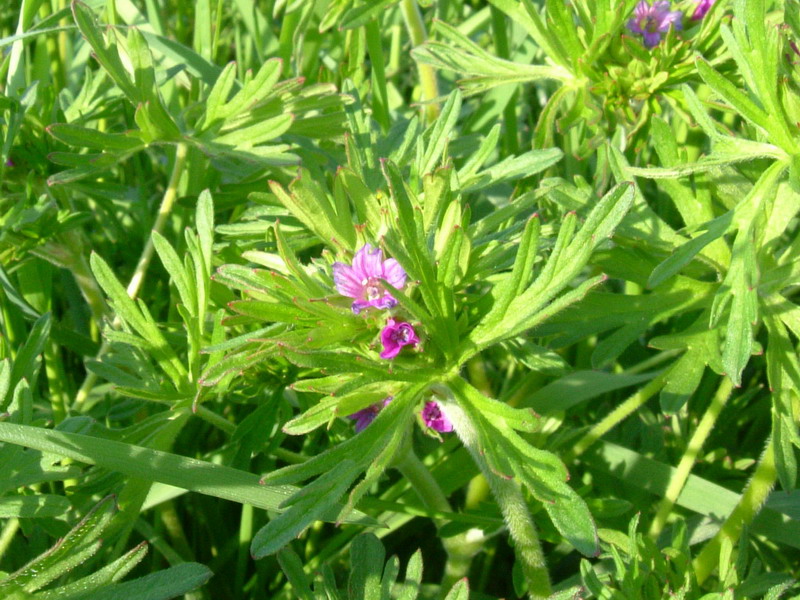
396,335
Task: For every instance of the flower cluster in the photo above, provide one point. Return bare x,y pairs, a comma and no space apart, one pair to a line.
431,414
434,418
650,21
363,282
395,335
365,416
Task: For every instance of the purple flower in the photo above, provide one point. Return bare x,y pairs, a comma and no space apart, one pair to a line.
652,21
365,416
361,281
396,335
702,8
434,418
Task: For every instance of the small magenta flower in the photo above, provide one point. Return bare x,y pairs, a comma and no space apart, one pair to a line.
434,418
395,335
365,416
651,21
702,8
361,281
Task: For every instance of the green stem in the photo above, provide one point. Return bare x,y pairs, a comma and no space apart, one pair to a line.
216,420
217,29
460,549
653,361
158,542
293,458
502,48
615,417
476,369
245,537
7,535
523,531
380,97
54,370
167,202
512,504
89,289
68,253
172,523
682,472
753,497
427,74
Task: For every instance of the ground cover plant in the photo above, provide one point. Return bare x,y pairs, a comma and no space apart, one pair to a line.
343,299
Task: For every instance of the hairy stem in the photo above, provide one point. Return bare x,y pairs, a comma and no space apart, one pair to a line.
753,497
512,504
460,548
698,439
427,74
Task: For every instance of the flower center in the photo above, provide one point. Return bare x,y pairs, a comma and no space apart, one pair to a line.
372,288
402,334
649,24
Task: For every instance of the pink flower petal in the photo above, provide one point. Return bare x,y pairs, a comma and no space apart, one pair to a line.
345,280
394,273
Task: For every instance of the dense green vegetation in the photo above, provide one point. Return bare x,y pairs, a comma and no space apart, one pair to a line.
375,299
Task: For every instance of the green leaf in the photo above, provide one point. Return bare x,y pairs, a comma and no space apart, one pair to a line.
359,15
108,574
413,582
366,557
292,567
145,81
440,133
319,414
162,585
484,71
513,168
526,14
26,507
152,465
572,518
139,320
311,503
682,380
561,22
253,135
77,546
745,106
685,253
460,591
784,432
174,266
26,362
107,55
255,90
85,137
218,96
540,471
